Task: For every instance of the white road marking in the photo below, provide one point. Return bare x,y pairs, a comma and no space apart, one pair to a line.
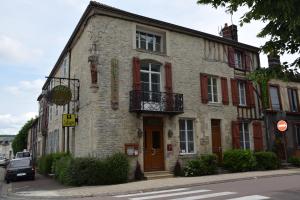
204,196
154,192
253,197
170,195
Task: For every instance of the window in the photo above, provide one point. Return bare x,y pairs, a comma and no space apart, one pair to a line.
297,135
242,93
293,99
212,90
244,136
149,42
274,96
238,61
150,79
186,134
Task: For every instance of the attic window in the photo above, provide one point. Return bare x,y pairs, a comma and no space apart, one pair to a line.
149,41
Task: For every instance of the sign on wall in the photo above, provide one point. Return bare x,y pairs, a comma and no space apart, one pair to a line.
114,84
69,120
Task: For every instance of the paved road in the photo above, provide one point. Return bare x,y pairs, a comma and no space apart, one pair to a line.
276,188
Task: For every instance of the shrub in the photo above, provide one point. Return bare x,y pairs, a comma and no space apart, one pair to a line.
177,169
138,174
45,164
205,165
55,158
294,161
92,171
266,160
239,160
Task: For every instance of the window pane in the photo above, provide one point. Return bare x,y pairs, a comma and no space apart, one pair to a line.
155,139
145,66
190,136
182,147
274,98
155,67
155,78
155,87
189,125
191,147
137,39
143,40
145,86
298,135
150,42
144,77
158,44
242,93
182,136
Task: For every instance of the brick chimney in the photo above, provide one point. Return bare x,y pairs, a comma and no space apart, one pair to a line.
273,60
230,32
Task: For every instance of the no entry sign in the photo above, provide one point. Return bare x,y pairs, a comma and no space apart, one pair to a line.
282,125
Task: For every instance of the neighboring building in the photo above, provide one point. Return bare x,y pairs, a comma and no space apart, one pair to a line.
32,139
5,145
157,91
284,105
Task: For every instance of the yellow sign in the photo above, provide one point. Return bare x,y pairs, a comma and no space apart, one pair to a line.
69,120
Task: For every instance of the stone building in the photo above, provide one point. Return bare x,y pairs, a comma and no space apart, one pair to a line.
5,146
157,91
283,105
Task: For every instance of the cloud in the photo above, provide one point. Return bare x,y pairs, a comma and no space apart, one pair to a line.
11,124
12,51
26,87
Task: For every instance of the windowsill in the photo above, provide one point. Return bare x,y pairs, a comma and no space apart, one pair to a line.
243,106
216,104
187,154
151,52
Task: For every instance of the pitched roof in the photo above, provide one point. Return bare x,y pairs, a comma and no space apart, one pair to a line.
96,8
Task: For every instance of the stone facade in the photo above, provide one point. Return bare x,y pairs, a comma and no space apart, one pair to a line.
101,130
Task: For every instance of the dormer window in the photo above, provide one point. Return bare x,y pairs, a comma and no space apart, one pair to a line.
238,61
149,41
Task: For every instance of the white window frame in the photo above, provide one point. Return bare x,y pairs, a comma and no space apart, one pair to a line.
243,131
212,90
150,72
138,37
238,60
186,137
242,98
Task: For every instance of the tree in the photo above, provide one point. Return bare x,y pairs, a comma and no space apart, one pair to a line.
20,141
282,22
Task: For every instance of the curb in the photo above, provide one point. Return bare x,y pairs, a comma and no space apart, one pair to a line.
154,188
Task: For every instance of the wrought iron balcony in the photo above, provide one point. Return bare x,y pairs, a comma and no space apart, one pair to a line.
155,102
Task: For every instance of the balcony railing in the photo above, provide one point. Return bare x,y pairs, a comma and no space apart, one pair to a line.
156,102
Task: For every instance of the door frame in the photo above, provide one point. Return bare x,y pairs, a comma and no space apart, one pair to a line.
160,126
220,157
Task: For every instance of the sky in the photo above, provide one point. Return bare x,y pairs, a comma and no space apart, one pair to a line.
34,32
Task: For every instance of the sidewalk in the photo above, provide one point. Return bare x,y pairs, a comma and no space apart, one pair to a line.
168,183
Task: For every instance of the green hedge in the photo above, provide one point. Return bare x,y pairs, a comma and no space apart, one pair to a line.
93,171
46,164
239,160
266,160
204,165
294,161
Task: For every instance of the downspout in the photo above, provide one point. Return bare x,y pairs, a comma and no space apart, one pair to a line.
68,108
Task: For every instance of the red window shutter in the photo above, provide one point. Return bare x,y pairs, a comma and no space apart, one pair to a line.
136,74
224,88
235,130
234,92
168,71
247,61
257,136
204,88
231,62
250,94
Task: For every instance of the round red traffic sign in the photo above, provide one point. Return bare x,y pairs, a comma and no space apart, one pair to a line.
282,125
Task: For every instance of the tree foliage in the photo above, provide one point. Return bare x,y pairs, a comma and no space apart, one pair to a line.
282,22
20,141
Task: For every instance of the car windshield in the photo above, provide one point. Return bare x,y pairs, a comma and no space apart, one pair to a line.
1,158
23,154
19,163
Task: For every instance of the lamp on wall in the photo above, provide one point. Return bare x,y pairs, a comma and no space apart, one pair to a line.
170,133
139,132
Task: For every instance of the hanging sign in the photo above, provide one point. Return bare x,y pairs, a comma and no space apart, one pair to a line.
60,95
282,125
69,120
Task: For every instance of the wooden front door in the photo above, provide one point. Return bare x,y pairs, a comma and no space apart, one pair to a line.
216,138
153,148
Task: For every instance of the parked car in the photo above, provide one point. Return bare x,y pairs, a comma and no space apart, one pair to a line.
3,161
19,169
23,154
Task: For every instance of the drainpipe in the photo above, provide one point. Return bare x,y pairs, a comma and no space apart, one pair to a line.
68,108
